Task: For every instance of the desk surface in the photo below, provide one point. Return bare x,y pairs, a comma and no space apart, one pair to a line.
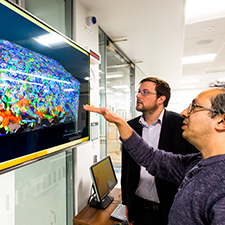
93,216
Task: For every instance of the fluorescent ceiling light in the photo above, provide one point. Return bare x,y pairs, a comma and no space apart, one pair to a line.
49,39
201,10
198,59
120,86
101,88
114,76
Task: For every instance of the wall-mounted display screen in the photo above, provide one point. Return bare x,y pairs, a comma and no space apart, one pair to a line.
42,88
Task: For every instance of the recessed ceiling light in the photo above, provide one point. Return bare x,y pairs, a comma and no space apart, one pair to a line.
204,42
210,28
198,59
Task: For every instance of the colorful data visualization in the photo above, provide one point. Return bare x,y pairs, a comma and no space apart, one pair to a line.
35,90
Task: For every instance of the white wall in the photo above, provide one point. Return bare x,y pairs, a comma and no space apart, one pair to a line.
83,160
180,99
86,37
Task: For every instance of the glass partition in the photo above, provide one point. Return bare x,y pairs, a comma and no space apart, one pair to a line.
139,75
118,98
115,93
57,13
38,183
102,91
50,11
39,193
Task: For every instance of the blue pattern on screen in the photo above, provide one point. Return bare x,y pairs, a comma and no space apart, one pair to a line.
35,90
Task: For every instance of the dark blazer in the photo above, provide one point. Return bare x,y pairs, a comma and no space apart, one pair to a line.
170,140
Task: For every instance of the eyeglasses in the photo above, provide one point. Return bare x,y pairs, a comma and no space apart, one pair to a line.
192,106
145,93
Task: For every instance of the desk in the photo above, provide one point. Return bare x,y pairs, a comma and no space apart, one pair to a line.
93,216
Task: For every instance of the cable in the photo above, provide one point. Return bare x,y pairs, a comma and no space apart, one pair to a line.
91,194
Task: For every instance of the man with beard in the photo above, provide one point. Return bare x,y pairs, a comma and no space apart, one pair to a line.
148,199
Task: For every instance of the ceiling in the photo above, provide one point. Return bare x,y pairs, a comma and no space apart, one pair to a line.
157,38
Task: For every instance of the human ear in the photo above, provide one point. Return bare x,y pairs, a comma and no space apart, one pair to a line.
162,99
220,125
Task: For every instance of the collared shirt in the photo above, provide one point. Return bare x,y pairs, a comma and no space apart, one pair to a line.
147,188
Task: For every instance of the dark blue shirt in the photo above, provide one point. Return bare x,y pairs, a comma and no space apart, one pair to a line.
201,195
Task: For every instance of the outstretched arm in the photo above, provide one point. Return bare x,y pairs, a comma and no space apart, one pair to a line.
124,129
159,163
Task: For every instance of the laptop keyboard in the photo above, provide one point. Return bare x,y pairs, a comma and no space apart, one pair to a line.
119,212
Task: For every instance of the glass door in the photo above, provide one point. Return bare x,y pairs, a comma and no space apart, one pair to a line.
116,91
118,97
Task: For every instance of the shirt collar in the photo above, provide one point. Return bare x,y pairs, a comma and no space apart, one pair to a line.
159,120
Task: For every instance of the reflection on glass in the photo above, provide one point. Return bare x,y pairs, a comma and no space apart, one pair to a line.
53,12
139,75
41,192
118,98
102,93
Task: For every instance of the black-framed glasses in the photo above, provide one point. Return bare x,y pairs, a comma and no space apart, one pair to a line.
192,106
145,93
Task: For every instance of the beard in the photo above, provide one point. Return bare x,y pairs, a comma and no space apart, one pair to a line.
149,110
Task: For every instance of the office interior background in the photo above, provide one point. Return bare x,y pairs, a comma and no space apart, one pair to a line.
181,42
